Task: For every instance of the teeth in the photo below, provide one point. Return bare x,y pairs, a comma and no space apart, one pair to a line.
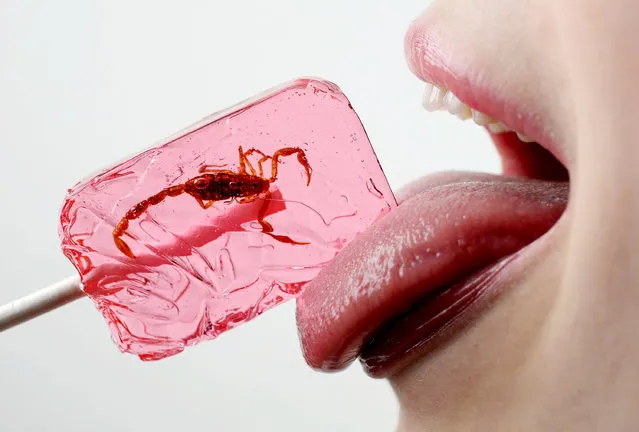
438,99
525,138
457,107
482,119
433,98
497,128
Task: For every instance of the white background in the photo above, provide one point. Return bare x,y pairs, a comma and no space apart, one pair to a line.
85,83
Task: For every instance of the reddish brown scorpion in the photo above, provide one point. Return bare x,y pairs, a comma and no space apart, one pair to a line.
221,185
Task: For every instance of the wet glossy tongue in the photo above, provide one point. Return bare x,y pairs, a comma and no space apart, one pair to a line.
452,227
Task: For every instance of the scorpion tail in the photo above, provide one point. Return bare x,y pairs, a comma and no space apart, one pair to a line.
135,212
123,247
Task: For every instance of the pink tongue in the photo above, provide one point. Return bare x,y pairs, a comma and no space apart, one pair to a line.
453,226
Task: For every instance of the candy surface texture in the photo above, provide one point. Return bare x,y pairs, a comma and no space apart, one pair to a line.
197,268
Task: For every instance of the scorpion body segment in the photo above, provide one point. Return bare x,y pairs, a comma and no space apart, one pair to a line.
243,186
223,186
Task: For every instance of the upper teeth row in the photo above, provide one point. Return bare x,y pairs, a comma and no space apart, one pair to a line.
437,99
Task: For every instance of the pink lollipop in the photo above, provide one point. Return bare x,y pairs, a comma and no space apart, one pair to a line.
226,220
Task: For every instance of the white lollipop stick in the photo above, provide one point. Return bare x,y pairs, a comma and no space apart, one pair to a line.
40,302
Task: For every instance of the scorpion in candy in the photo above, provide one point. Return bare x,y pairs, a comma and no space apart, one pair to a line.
213,185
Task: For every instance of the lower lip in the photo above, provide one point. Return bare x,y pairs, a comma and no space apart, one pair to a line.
434,321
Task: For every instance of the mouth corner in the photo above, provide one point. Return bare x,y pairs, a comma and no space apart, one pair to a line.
529,160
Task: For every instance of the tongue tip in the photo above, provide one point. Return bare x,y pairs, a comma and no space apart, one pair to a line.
321,349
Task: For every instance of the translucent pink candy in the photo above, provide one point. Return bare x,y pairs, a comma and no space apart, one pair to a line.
197,273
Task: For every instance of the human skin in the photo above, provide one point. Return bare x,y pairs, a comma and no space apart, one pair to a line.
558,351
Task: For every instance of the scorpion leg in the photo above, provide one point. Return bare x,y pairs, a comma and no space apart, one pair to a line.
301,158
248,199
245,154
204,205
213,169
267,228
244,161
260,162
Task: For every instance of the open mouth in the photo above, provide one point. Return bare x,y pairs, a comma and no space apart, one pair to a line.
428,270
435,315
521,155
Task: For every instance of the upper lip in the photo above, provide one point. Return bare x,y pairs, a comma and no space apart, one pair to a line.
429,61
